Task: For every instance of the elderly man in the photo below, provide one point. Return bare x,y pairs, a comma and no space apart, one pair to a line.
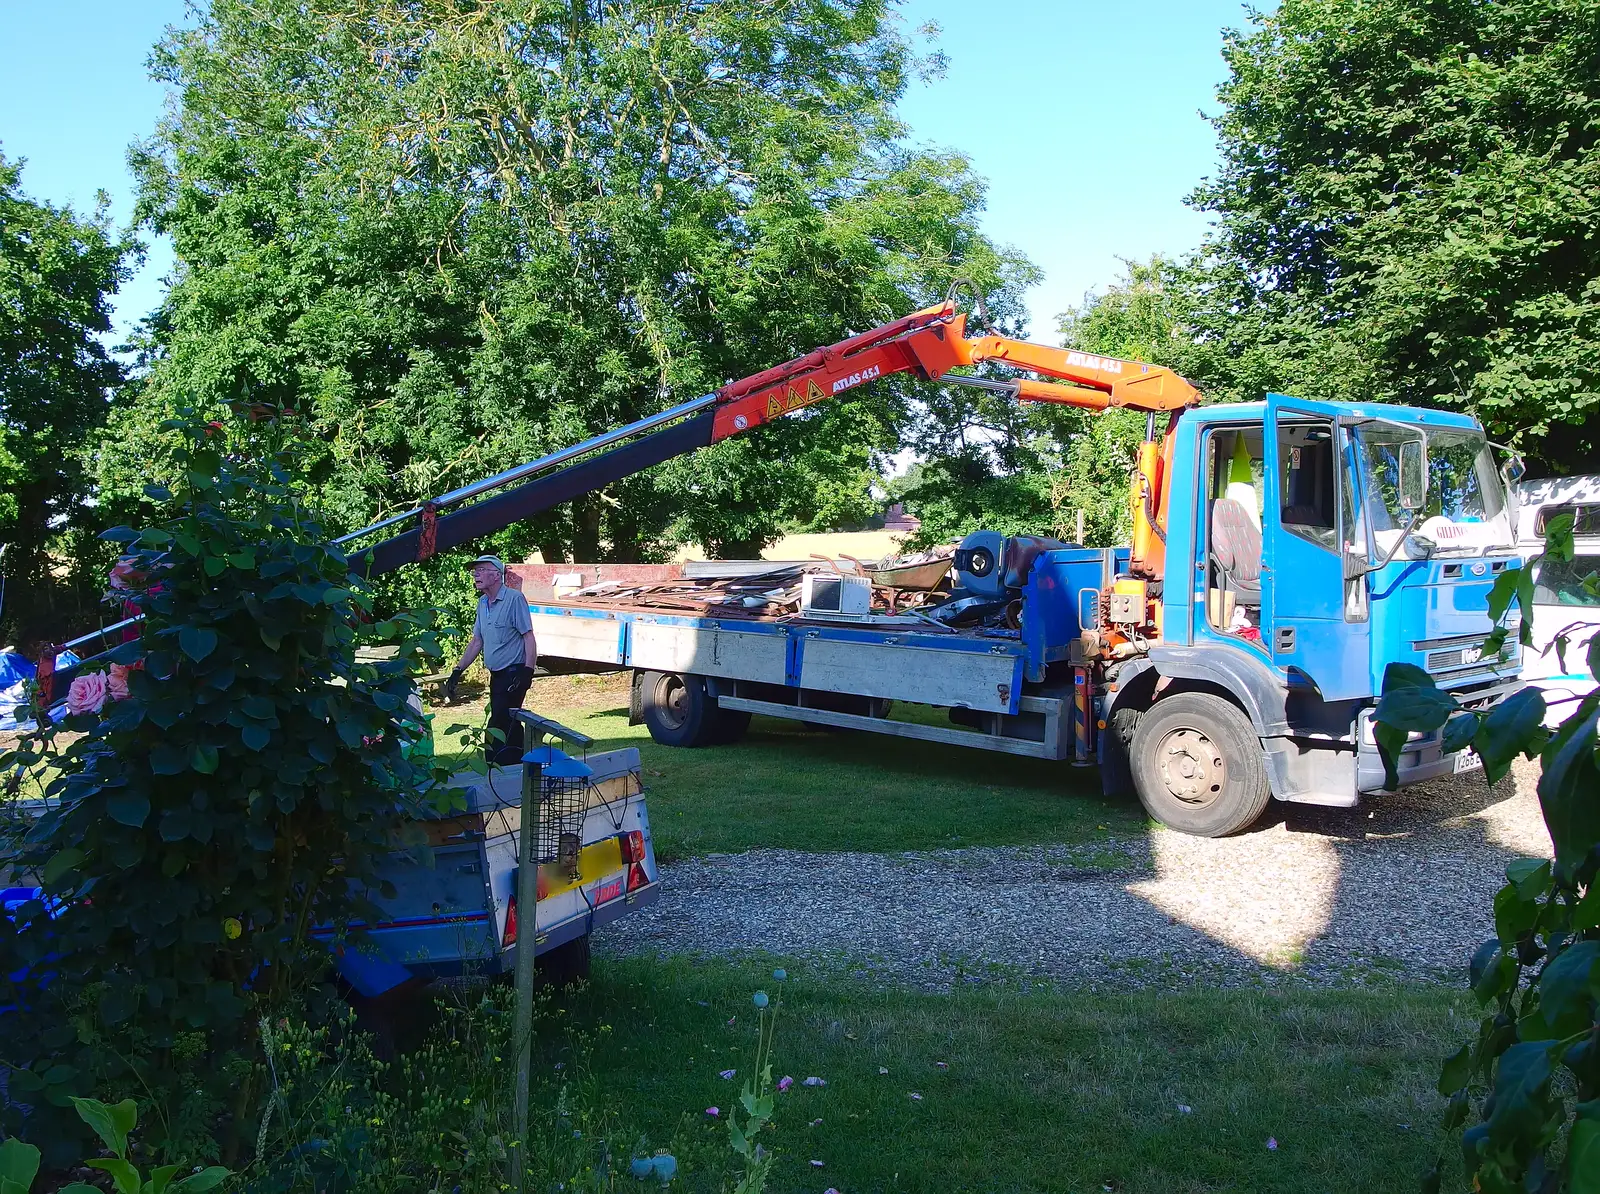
503,633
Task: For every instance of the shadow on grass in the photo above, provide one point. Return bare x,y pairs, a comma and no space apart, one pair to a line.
789,786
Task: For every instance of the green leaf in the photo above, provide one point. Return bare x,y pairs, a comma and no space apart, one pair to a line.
335,596
128,807
255,736
1405,675
19,1163
123,1173
1564,986
206,1179
1415,708
158,493
1558,537
1391,741
1530,876
1592,656
1519,1089
60,863
159,1177
1459,731
203,758
214,565
1514,726
1502,592
1566,793
1587,914
165,758
197,641
111,1123
1583,1150
1457,1071
154,537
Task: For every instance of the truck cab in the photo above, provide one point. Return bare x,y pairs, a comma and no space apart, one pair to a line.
1301,561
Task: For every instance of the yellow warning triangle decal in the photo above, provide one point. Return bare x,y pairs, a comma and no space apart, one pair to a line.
813,392
774,408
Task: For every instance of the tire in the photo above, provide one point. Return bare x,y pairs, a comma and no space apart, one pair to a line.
1116,769
566,964
1198,766
679,710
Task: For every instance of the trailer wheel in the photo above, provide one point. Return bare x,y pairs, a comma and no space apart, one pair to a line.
679,710
1198,765
566,964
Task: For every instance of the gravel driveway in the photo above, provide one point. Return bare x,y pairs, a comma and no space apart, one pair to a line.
1402,888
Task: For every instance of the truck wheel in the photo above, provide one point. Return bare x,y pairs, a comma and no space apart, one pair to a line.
1116,772
679,710
566,964
1198,765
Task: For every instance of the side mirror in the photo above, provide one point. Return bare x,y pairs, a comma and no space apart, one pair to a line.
1514,469
1413,474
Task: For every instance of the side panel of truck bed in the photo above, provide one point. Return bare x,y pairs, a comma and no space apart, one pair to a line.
958,670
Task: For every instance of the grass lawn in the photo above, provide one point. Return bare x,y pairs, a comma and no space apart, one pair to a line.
786,785
1044,1090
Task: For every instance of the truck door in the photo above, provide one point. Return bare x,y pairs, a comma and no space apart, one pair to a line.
1313,622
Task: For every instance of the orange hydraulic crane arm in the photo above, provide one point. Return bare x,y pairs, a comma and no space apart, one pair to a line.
929,344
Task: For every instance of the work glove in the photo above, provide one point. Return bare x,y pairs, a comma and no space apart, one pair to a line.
451,685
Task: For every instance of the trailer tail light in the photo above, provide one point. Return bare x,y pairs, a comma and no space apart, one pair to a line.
509,937
633,852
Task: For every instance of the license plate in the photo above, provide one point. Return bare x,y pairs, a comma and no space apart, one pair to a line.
1468,760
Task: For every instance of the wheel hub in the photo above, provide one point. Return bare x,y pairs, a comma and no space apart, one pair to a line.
672,698
1191,766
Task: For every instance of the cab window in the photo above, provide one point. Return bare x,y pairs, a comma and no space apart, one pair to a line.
1307,482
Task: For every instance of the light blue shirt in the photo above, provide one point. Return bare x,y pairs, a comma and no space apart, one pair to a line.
501,623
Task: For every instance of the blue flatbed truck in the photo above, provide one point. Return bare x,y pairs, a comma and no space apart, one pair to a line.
1284,554
1276,625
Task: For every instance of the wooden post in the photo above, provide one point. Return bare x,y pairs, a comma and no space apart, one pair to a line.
527,929
1079,539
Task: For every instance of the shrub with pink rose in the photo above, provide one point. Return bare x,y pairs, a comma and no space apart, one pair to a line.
229,783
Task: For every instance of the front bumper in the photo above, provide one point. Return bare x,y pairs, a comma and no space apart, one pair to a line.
1424,756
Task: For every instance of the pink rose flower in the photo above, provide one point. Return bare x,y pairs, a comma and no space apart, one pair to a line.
117,685
88,693
123,574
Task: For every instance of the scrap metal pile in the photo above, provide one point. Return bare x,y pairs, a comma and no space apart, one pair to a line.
900,585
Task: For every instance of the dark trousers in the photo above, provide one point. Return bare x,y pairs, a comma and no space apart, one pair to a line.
506,691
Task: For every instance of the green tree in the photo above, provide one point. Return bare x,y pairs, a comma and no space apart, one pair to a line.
57,273
461,235
1407,210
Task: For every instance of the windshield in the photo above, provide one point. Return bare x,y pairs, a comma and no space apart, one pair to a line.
1465,508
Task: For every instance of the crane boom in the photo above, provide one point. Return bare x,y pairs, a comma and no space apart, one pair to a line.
929,344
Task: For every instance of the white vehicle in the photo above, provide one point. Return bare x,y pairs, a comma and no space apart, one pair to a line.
1561,604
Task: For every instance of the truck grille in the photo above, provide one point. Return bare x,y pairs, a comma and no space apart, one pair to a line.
1449,655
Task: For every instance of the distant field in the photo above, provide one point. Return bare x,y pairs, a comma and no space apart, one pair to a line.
787,785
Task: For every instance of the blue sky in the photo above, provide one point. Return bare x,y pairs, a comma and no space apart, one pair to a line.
1084,116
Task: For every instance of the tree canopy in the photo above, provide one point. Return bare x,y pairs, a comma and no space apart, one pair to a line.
458,235
1408,210
57,273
